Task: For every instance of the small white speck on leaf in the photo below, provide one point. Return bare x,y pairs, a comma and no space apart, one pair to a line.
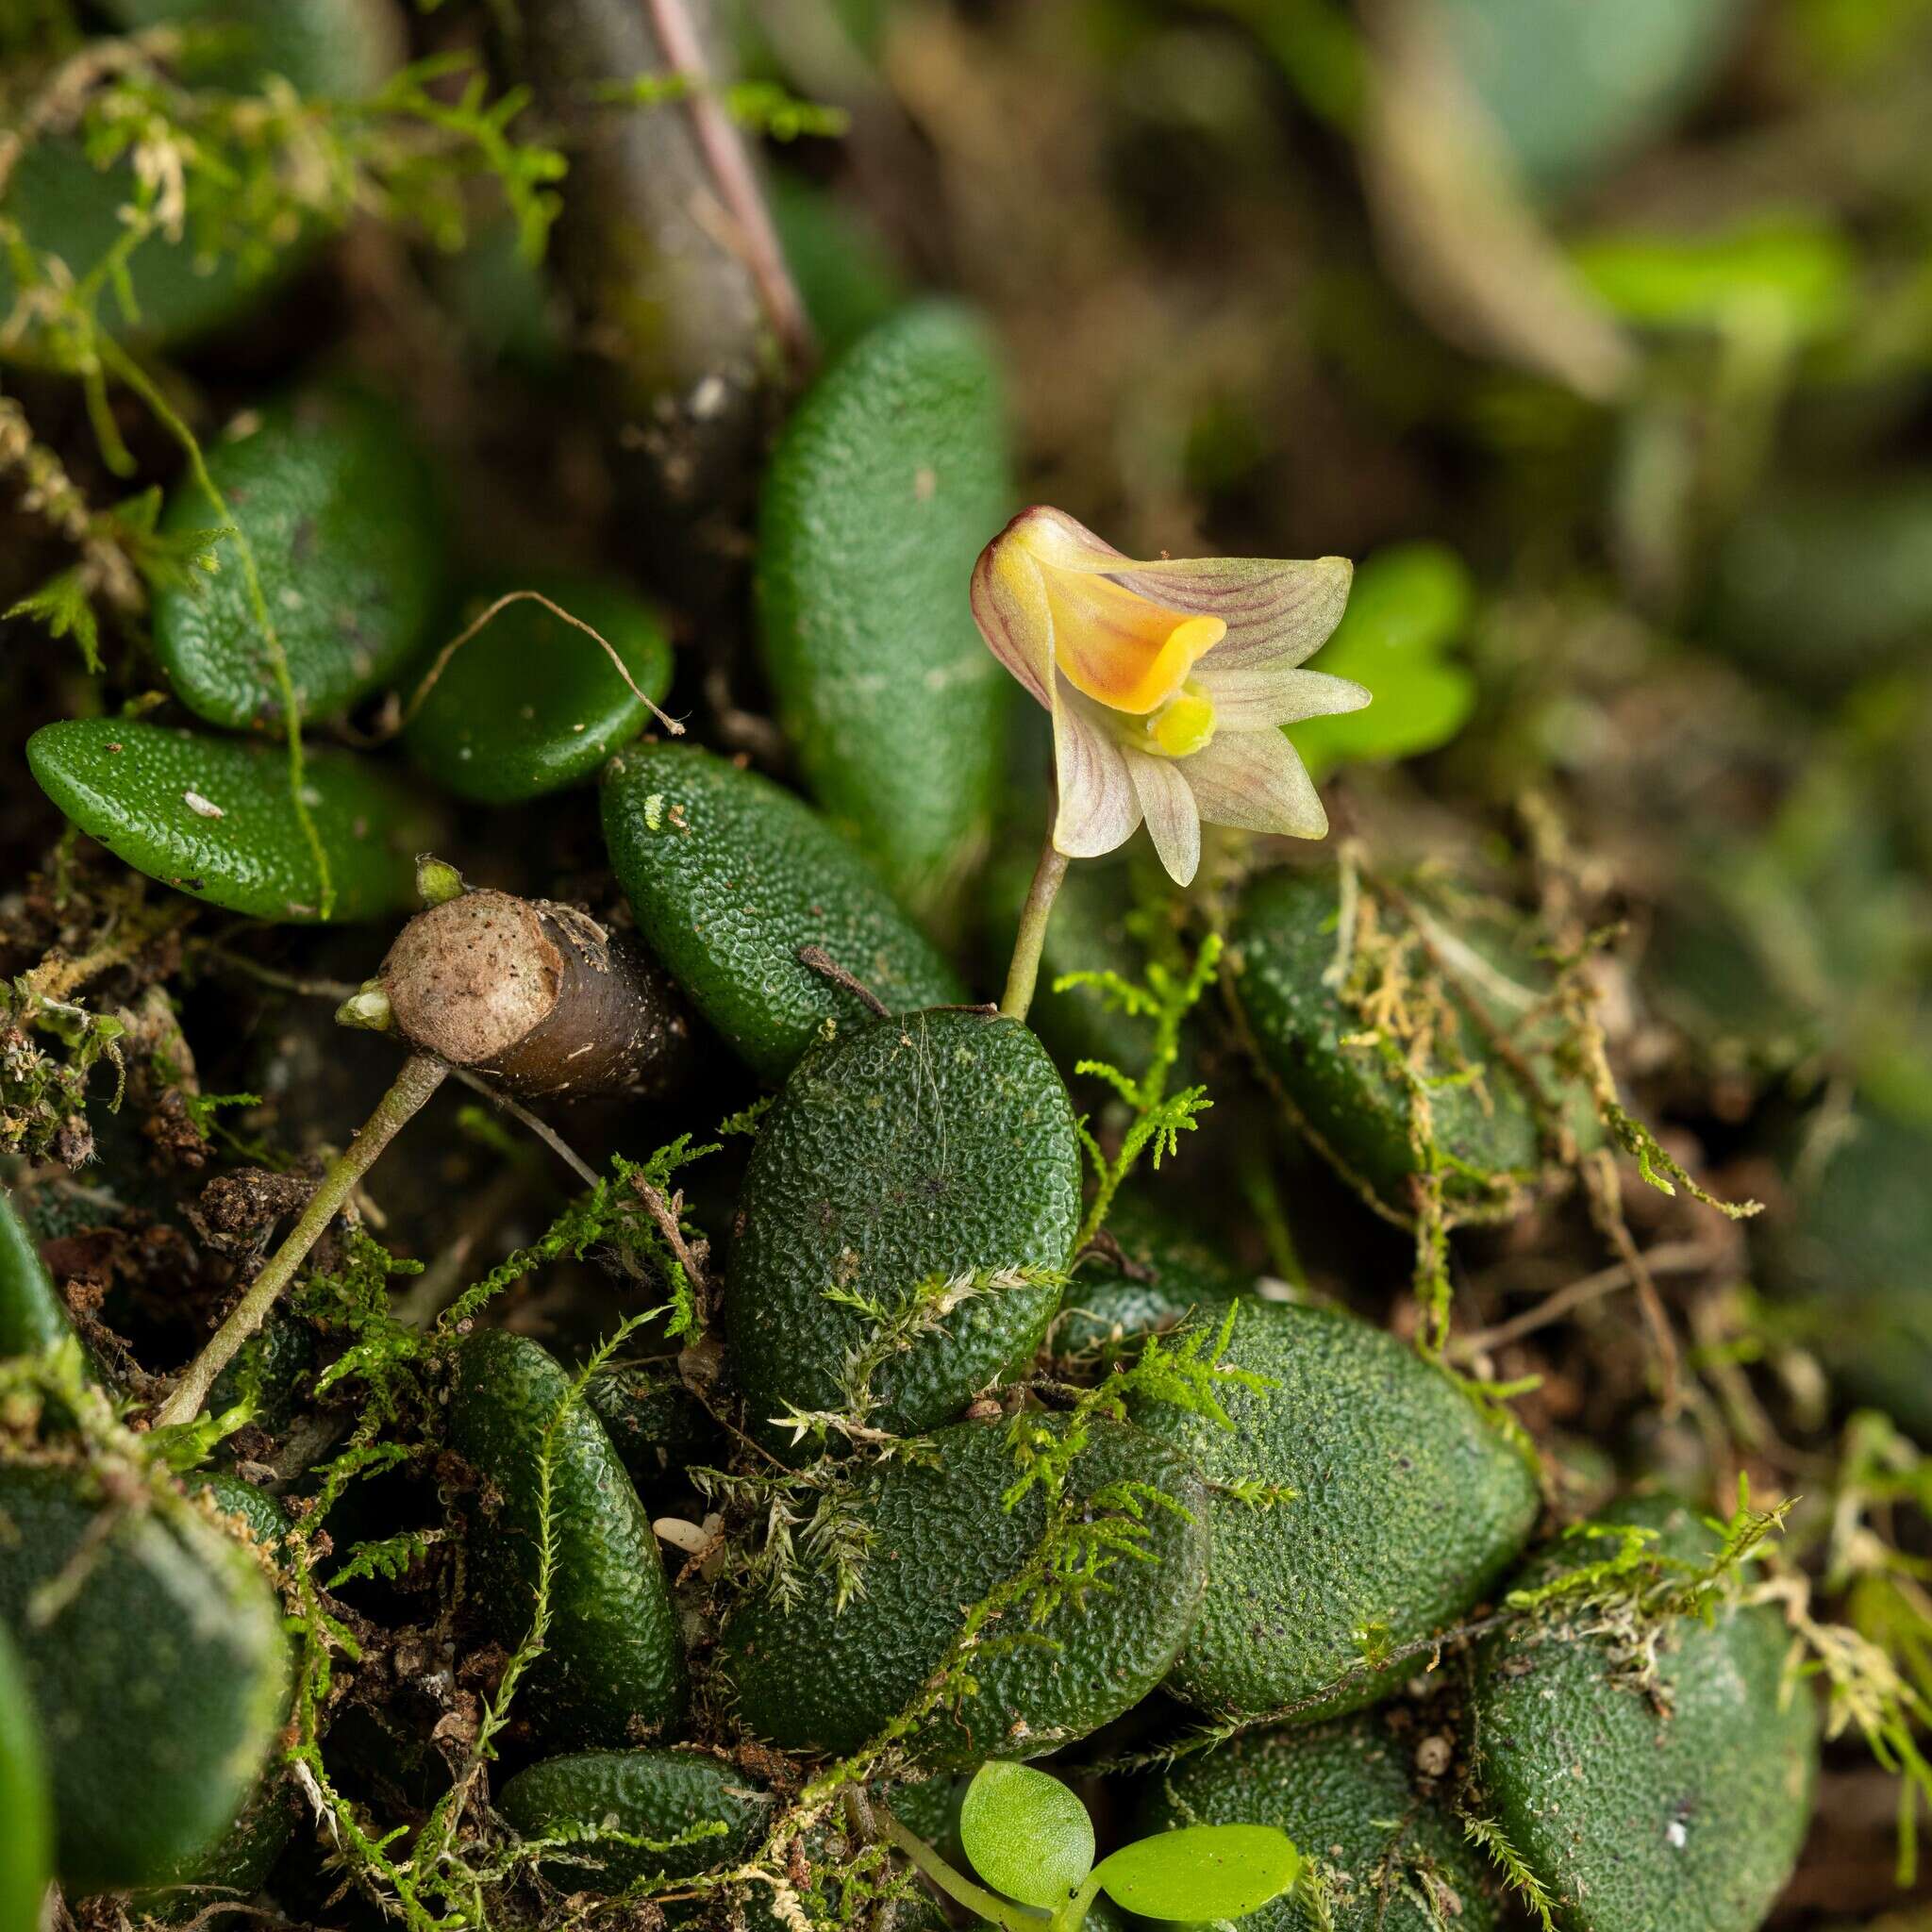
202,808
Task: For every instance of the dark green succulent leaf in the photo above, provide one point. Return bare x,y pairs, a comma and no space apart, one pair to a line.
214,817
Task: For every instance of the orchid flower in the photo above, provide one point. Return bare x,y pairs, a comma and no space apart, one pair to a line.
1169,682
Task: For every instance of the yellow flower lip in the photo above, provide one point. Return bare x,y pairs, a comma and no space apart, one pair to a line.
1121,649
1183,725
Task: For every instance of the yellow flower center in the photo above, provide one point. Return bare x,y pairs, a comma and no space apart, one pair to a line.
1122,650
1182,726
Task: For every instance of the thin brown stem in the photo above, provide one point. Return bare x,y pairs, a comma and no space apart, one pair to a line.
1605,1194
420,1077
664,1213
729,163
822,962
524,1117
1023,974
1667,1257
555,609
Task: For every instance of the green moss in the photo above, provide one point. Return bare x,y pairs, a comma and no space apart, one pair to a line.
937,1538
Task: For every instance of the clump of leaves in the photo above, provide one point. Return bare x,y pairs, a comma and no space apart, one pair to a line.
1030,1839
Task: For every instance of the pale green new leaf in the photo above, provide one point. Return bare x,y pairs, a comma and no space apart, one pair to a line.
1202,1872
1026,1833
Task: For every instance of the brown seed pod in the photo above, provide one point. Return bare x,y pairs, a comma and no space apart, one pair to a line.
538,996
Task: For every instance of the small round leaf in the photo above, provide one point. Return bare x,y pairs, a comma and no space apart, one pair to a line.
1202,1872
1026,1833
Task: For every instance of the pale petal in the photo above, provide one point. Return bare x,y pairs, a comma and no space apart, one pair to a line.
1009,598
1062,541
1255,780
1277,611
1172,821
1251,700
1099,808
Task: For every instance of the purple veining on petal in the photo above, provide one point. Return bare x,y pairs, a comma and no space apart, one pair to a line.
1098,809
1167,802
1064,542
1256,781
1247,699
1276,611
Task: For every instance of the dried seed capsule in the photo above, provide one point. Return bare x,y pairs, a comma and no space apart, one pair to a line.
537,995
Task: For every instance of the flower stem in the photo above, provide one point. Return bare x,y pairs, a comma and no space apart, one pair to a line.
420,1077
1025,971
